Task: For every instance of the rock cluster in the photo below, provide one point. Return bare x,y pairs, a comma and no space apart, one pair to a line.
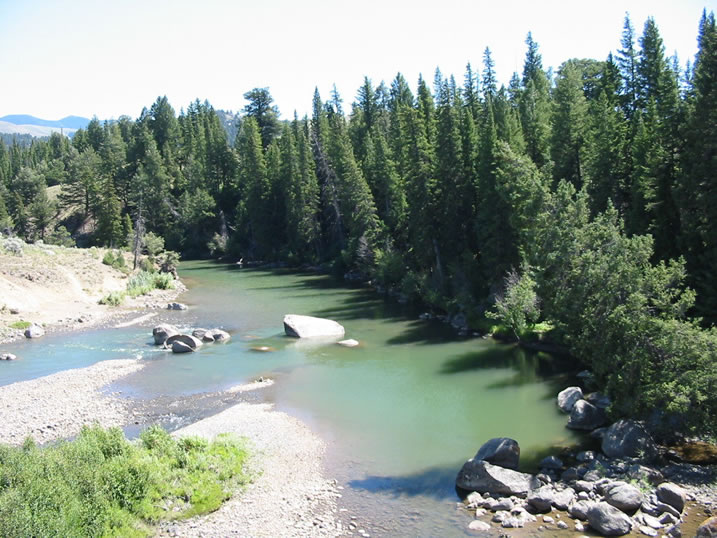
599,493
170,337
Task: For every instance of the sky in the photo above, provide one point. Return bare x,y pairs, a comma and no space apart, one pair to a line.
110,58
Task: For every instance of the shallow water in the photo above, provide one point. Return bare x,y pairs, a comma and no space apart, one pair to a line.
400,413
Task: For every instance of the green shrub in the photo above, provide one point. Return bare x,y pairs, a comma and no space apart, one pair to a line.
100,484
115,298
20,325
144,282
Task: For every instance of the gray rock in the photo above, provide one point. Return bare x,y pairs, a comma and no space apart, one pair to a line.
186,339
648,531
218,335
311,327
585,456
7,357
501,451
176,306
664,507
598,433
180,347
627,438
34,331
584,486
672,494
608,520
201,333
579,526
583,496
548,519
502,504
564,498
161,332
562,525
668,519
541,499
650,521
569,475
624,496
480,526
551,462
485,477
568,397
598,399
708,528
585,416
579,510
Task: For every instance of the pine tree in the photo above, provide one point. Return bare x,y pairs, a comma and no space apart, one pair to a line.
627,62
535,106
109,218
264,113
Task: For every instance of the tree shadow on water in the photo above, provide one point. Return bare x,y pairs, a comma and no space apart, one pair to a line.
529,367
436,482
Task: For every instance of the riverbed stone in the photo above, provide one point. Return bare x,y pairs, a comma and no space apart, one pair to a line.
625,497
541,499
348,343
186,339
180,347
551,462
608,520
34,331
163,331
177,306
485,477
568,397
217,335
8,357
585,416
672,494
708,528
579,509
201,333
300,326
628,439
502,451
480,526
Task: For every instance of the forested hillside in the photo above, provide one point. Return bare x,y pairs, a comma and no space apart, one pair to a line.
586,198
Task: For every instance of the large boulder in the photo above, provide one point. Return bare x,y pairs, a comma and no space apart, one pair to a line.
161,332
485,477
624,496
502,451
310,327
216,335
568,397
585,416
627,438
180,347
672,494
34,331
185,339
608,520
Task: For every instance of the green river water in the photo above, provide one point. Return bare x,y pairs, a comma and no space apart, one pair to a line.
400,413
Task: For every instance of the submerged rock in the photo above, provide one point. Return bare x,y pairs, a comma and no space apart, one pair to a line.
177,306
180,347
484,477
308,327
217,335
348,343
7,357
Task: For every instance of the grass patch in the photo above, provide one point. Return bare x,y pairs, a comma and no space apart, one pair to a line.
100,484
113,299
145,281
19,324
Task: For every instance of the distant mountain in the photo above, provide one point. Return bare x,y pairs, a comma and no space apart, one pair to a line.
70,122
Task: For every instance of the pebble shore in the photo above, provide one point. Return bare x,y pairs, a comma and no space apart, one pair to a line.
57,406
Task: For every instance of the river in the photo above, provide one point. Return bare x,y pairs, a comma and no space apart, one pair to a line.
400,413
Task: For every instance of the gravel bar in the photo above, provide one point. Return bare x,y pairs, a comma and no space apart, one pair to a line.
58,405
289,495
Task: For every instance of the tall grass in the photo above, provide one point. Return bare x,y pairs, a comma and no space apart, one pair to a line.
141,283
103,485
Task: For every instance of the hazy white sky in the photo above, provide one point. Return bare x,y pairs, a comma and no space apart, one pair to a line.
109,58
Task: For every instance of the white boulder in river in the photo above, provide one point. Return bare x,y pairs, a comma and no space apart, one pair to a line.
309,327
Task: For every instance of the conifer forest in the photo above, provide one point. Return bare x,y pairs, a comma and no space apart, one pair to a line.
582,200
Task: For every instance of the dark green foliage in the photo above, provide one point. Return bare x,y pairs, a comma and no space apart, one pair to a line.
102,485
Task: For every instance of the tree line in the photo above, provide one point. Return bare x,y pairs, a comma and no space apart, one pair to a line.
585,197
